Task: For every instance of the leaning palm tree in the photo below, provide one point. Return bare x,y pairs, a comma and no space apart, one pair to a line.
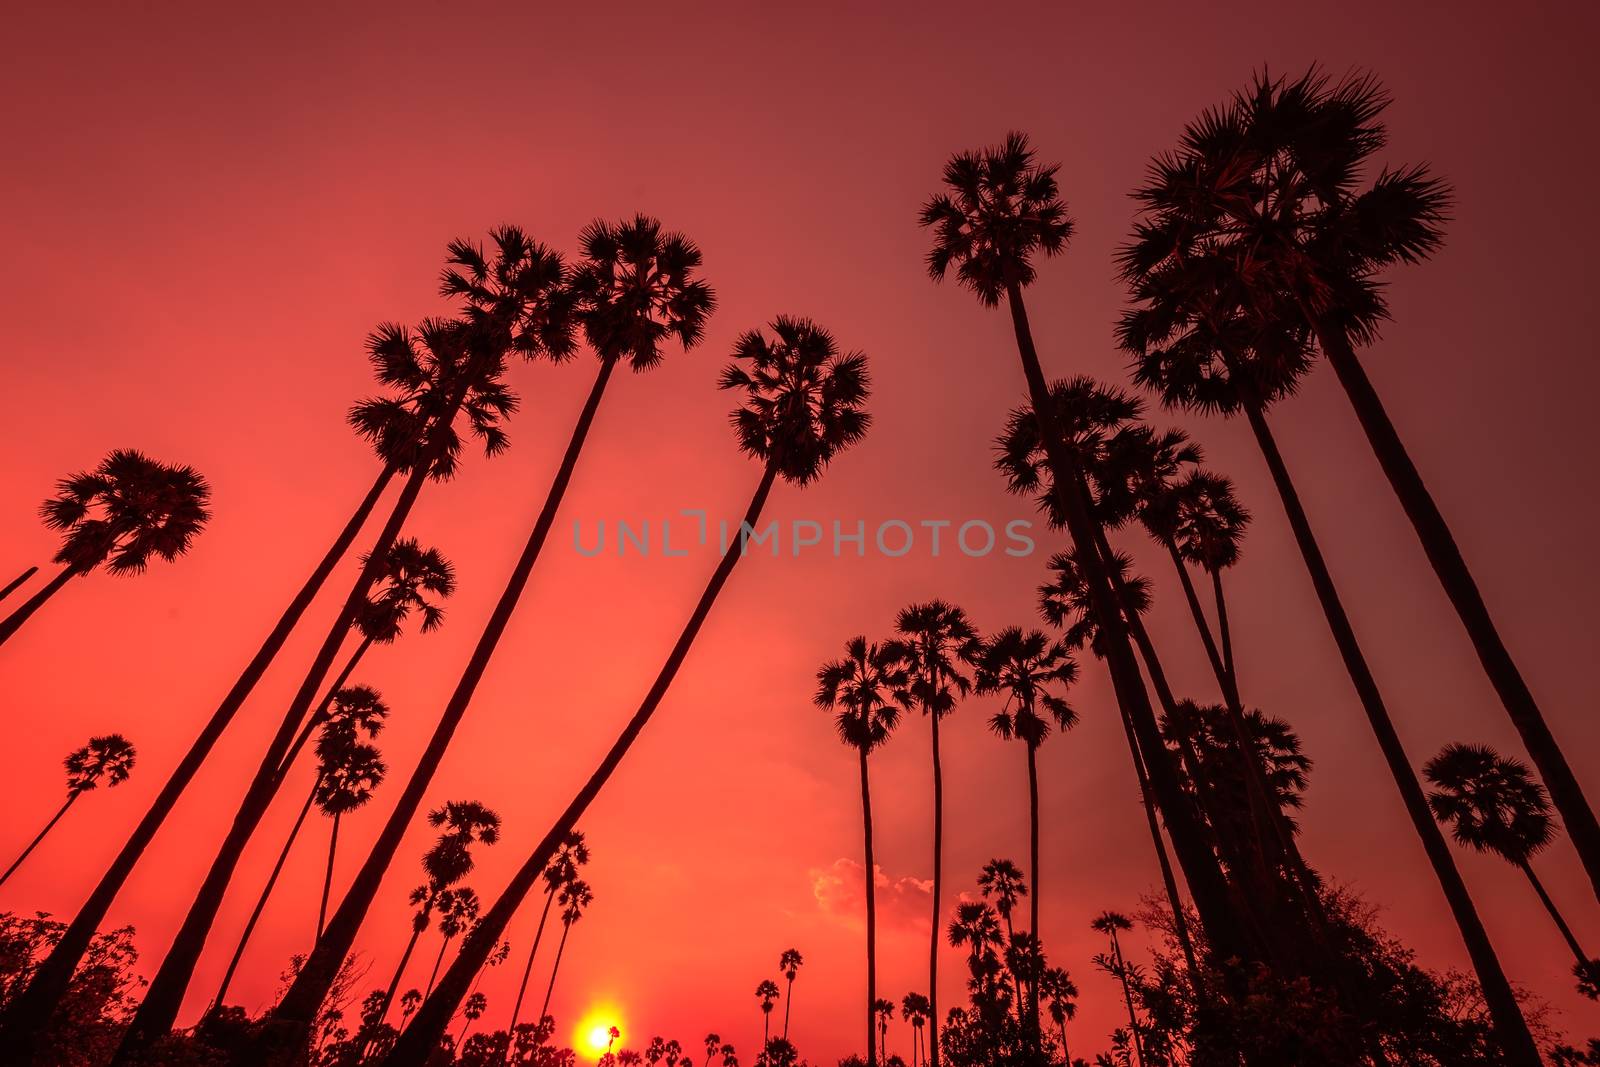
914,1009
347,774
1000,209
562,870
121,515
637,293
789,963
1060,995
449,370
110,757
18,582
864,690
1493,804
1110,923
767,993
937,642
804,404
1198,339
574,898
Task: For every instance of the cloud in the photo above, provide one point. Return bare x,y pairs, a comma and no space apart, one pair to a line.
840,891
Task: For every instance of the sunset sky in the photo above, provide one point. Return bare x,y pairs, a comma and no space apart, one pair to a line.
205,212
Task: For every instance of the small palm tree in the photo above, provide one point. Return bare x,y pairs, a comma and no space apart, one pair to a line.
1002,881
713,1043
472,1011
109,757
1493,804
884,1009
347,774
1111,923
562,870
767,993
789,963
914,1009
1060,995
458,910
864,689
121,515
574,898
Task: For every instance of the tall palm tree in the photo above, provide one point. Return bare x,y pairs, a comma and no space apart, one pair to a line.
448,370
914,1009
110,756
1001,208
574,898
560,871
18,582
804,404
458,910
348,715
1002,881
1110,923
1060,995
1493,804
1197,339
864,689
636,292
789,963
937,642
767,993
127,511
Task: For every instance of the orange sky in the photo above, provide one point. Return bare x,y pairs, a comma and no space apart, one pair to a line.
205,216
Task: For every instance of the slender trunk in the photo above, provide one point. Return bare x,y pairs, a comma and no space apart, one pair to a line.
266,893
931,1058
1180,922
433,975
788,995
327,879
16,583
522,987
1224,632
872,915
1440,545
766,1028
320,715
417,926
463,1035
296,1013
1066,1057
13,622
1200,868
30,1011
1511,1029
414,1046
561,947
1127,998
1555,913
41,836
1033,900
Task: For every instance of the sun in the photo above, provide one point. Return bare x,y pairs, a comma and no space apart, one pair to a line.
595,1030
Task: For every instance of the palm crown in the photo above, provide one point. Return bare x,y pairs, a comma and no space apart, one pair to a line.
110,756
574,897
572,853
1002,880
803,400
410,573
463,822
1025,667
1064,601
353,711
347,776
862,688
517,294
789,963
1204,520
999,207
1492,803
935,642
636,290
126,510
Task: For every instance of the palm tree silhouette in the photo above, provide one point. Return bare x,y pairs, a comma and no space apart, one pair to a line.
1000,209
864,690
347,774
789,963
458,910
936,641
914,1009
803,405
472,1011
1005,883
454,368
1060,995
635,292
885,1012
120,515
562,870
1197,338
1110,923
18,582
110,756
1493,804
767,992
574,898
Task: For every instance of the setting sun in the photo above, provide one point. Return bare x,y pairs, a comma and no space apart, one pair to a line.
599,1030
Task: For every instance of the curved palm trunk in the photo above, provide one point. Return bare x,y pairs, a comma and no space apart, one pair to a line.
1200,868
266,893
16,583
415,1045
13,622
41,836
1510,1028
788,995
527,972
938,879
1127,998
1445,556
30,1011
561,947
1180,921
327,879
297,1011
872,915
1555,913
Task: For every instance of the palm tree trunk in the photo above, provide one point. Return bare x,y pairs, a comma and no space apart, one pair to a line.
522,988
327,879
72,796
1511,1029
30,1011
1224,631
1206,883
399,972
872,915
415,1045
296,1012
1033,872
13,622
938,879
561,947
439,959
16,583
1445,556
1066,1057
1127,998
788,995
766,1027
1180,922
266,893
1555,913
320,715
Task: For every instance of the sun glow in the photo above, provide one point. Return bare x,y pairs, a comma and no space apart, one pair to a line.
595,1030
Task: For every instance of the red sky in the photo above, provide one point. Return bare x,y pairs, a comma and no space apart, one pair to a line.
206,212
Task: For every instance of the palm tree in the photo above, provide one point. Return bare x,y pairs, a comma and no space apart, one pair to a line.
914,1009
458,911
110,756
1109,923
18,582
789,963
885,1012
1002,880
122,514
448,370
560,871
713,1042
347,774
1000,209
1060,995
864,689
1493,804
472,1011
636,292
767,992
574,898
804,404
936,641
1199,340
